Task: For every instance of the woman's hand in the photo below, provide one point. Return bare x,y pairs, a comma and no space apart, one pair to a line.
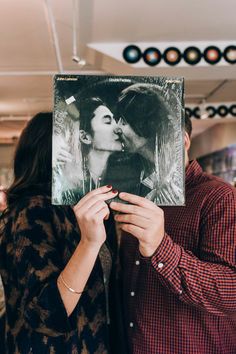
141,218
90,212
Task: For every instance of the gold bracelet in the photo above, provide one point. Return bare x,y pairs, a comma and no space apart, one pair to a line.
68,287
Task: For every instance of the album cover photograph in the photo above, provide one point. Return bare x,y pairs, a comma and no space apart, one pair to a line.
125,131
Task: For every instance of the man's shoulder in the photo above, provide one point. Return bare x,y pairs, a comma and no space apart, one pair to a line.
216,184
214,189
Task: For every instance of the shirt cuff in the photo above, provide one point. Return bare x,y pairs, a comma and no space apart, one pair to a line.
47,312
167,256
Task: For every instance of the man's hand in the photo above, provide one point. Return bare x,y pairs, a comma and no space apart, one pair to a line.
141,218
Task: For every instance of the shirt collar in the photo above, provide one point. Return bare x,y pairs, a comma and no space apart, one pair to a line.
193,172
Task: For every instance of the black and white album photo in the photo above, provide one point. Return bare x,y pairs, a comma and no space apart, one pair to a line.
124,131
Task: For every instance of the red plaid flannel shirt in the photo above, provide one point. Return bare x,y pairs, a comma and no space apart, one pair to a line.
183,299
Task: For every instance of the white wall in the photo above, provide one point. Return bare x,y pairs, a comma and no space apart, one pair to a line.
213,139
6,154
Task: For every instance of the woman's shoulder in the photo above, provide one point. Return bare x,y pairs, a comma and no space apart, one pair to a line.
37,209
35,219
36,203
29,206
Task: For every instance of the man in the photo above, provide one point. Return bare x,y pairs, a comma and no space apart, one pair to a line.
179,268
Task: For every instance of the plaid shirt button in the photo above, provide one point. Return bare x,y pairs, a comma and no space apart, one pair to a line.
181,292
132,293
160,265
137,262
131,324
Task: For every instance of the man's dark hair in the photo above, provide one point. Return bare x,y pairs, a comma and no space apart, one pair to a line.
142,106
188,124
33,160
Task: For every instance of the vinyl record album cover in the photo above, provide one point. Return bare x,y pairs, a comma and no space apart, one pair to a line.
126,131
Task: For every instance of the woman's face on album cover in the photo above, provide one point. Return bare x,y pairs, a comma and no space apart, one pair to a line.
103,126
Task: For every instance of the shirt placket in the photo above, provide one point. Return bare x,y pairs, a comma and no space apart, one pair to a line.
132,292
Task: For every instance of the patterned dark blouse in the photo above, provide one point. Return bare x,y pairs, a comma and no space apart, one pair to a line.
36,243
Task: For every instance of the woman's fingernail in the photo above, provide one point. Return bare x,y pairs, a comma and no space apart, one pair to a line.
114,191
109,186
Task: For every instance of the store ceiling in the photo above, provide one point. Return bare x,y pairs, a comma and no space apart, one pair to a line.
28,57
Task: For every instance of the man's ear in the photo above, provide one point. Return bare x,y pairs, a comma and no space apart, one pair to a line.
187,141
85,138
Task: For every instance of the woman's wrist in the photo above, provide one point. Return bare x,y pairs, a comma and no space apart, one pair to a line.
91,245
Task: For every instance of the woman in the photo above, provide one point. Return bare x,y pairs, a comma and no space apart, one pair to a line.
52,275
99,138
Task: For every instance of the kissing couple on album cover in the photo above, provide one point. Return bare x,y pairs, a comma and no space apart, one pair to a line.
122,131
